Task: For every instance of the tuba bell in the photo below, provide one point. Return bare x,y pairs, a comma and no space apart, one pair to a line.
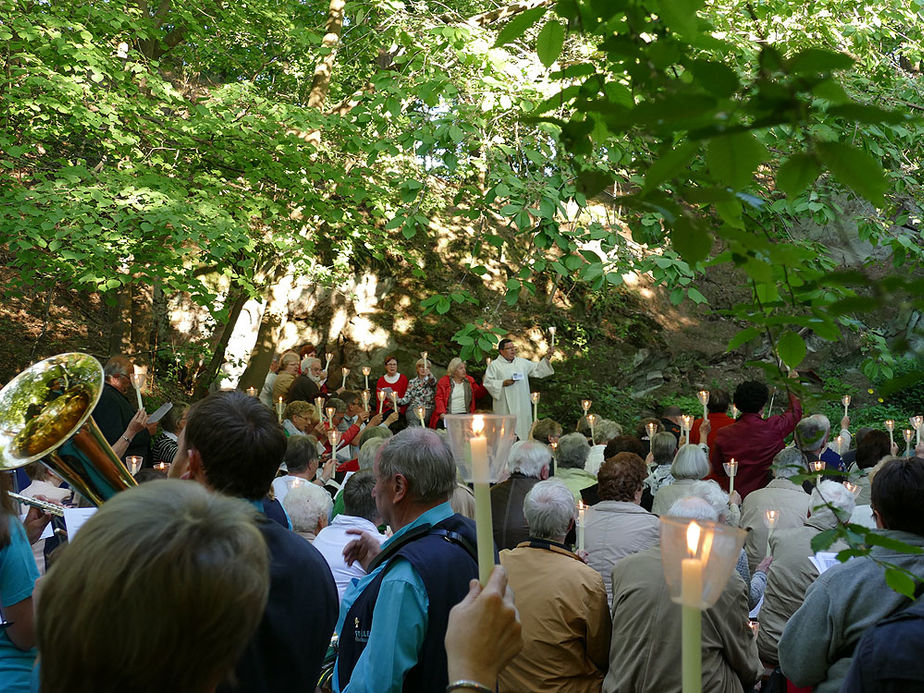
45,415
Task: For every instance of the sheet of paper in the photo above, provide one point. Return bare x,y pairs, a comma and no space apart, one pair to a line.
74,519
823,560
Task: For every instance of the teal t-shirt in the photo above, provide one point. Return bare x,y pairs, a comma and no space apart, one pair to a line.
18,574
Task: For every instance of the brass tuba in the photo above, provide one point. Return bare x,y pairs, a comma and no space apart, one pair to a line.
45,415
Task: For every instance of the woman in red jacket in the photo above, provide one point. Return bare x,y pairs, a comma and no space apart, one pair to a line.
456,392
392,381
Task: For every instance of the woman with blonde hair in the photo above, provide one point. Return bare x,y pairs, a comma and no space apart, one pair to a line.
456,393
288,371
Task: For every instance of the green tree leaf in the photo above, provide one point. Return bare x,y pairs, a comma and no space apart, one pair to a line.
743,336
856,169
818,60
550,42
733,159
900,581
670,164
517,26
797,173
791,348
690,240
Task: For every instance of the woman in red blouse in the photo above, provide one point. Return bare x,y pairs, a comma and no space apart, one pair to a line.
392,381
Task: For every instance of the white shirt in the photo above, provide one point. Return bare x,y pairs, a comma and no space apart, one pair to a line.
514,399
457,399
282,484
330,542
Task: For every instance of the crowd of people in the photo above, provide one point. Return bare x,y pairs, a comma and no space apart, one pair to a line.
270,521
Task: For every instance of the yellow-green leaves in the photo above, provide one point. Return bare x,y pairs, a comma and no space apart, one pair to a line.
732,159
550,42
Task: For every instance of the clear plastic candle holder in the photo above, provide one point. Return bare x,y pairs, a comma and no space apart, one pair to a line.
496,433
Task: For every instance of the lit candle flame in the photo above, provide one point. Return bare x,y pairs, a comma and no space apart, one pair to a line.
693,533
585,405
772,517
366,370
845,400
534,397
853,488
703,396
889,425
477,425
818,465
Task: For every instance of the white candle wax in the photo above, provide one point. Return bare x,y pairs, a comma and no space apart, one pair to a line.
280,407
691,585
481,479
580,526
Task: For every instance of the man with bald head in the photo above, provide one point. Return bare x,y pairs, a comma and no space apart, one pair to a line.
115,413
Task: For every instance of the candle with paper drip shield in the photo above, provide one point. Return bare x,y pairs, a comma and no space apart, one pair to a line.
697,559
818,466
480,444
890,427
333,437
651,429
917,423
703,397
134,463
534,398
586,404
381,395
591,421
420,411
280,407
327,359
845,400
853,488
366,372
908,435
346,372
252,391
366,397
770,519
331,411
731,469
139,378
319,405
393,396
686,425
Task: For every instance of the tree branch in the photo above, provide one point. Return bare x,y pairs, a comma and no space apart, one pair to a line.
322,73
503,13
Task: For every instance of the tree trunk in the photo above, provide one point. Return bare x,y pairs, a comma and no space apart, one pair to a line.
237,297
118,322
320,84
142,325
271,324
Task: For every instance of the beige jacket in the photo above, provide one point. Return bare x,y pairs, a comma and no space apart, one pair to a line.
645,649
614,530
780,494
790,575
566,623
669,494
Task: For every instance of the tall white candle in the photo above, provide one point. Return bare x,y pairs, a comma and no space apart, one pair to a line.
918,423
366,372
591,420
845,400
366,396
580,525
691,595
330,416
280,407
381,396
839,443
703,396
552,334
346,372
423,355
770,518
890,426
534,396
327,363
731,469
481,480
319,405
420,415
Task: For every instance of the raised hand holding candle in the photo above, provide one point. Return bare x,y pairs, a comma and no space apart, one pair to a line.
908,434
381,395
731,469
346,372
420,411
890,426
280,407
703,397
770,519
580,525
845,400
330,415
591,420
366,372
534,398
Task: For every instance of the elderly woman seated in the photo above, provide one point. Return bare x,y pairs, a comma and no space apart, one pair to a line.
571,456
300,417
604,432
618,526
308,506
689,466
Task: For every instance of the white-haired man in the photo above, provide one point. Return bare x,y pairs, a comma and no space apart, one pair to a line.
529,464
562,602
645,649
782,494
793,571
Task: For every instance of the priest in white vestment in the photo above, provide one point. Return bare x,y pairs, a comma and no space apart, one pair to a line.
507,379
